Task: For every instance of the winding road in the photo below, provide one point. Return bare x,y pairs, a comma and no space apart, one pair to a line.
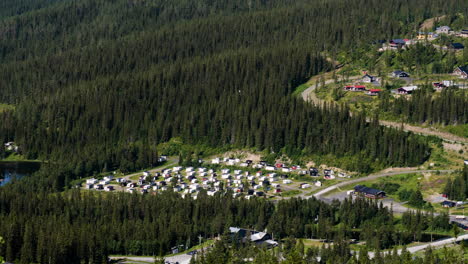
309,95
320,193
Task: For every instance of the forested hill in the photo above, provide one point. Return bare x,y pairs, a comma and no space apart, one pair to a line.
97,84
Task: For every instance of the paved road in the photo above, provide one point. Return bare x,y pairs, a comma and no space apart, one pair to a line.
181,258
309,95
426,131
319,194
434,244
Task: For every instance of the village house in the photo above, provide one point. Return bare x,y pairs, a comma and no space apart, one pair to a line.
400,74
407,89
259,194
456,46
259,238
426,35
91,181
355,88
109,188
448,204
313,172
369,192
11,146
374,92
443,30
162,158
368,78
464,33
438,85
397,43
461,71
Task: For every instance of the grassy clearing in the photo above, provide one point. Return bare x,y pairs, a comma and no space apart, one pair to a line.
445,159
205,244
17,157
290,193
458,130
441,252
6,107
310,243
301,88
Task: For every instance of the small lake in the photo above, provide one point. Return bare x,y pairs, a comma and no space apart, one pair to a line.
10,170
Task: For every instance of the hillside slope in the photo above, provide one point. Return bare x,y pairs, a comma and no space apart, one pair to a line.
109,80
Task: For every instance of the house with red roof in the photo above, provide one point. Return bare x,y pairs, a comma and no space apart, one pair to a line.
374,92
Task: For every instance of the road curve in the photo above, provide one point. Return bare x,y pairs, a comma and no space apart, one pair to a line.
319,194
308,95
434,244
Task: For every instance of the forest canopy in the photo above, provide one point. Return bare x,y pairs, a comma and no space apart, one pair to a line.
109,80
96,85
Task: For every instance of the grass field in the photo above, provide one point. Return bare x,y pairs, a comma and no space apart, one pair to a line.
5,107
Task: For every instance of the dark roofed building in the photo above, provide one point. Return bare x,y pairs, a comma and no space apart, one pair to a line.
259,238
400,74
369,192
457,46
448,204
462,72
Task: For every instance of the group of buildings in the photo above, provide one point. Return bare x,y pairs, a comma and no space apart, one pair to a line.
217,179
395,44
461,72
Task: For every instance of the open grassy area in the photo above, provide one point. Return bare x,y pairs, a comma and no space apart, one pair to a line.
17,157
311,243
301,88
459,130
290,193
205,244
5,107
454,249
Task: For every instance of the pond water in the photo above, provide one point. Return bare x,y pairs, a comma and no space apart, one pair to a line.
10,170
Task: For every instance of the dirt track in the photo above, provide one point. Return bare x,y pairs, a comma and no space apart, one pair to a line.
426,131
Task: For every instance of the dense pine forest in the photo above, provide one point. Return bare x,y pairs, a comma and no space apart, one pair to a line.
76,227
295,252
109,80
450,107
456,187
96,85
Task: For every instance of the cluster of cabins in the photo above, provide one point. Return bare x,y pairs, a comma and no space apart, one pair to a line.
190,181
103,184
461,72
395,44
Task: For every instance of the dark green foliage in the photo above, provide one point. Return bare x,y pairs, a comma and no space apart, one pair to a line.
387,187
82,226
338,252
450,107
416,199
98,84
457,188
95,94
